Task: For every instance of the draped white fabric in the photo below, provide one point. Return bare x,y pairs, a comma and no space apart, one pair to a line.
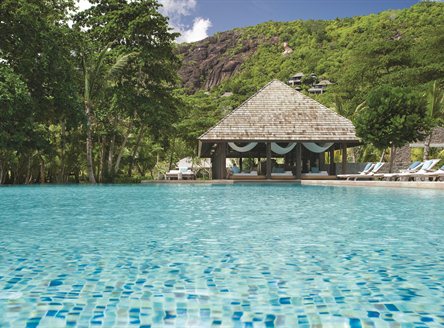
243,149
315,148
275,148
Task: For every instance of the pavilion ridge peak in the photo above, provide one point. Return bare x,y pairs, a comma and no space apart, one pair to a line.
277,112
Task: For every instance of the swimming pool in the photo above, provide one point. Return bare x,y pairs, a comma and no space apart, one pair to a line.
221,255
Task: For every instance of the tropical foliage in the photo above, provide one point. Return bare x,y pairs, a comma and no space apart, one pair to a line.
95,96
81,101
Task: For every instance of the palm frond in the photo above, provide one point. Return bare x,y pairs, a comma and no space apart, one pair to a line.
435,108
120,64
96,68
358,108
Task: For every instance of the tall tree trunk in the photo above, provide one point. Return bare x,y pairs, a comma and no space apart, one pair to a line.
2,171
111,156
392,157
14,174
122,148
28,177
353,154
141,170
135,150
427,143
170,164
382,155
102,159
61,175
89,143
89,120
42,170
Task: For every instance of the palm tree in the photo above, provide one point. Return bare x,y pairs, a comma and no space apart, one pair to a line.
350,113
96,75
435,114
343,111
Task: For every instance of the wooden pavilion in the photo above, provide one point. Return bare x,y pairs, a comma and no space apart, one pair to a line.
279,122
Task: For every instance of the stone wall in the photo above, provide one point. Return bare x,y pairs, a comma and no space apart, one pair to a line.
403,158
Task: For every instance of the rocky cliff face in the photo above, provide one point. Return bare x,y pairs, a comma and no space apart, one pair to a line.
209,62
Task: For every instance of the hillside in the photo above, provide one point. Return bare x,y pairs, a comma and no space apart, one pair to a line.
399,47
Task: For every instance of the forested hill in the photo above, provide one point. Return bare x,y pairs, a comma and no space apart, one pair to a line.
397,47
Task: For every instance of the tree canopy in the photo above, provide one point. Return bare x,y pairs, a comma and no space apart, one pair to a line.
393,117
79,98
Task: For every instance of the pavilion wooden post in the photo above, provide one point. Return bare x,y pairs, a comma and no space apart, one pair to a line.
219,161
344,158
214,166
240,164
322,161
268,176
298,161
223,160
332,168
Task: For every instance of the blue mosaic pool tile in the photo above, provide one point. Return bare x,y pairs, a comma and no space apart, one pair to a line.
237,315
150,283
355,323
285,300
427,319
373,314
33,322
391,307
51,313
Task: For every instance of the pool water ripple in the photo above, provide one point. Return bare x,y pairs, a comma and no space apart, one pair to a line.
221,256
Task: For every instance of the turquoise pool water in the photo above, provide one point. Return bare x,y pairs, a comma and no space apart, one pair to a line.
224,256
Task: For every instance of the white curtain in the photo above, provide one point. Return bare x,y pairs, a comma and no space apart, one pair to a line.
243,149
282,150
315,148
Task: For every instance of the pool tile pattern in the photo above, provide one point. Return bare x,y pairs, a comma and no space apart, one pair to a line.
221,256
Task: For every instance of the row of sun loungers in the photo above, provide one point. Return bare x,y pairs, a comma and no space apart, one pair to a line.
417,170
422,171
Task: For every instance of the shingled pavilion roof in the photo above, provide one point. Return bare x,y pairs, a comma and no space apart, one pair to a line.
277,113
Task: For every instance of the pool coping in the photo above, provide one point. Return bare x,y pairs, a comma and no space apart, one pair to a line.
437,185
226,181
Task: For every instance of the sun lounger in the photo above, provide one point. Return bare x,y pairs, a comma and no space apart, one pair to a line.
172,174
189,175
367,169
412,168
286,175
369,175
182,173
422,174
247,176
435,175
322,175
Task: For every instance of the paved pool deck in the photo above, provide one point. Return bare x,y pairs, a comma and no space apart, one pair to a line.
385,184
227,182
339,183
